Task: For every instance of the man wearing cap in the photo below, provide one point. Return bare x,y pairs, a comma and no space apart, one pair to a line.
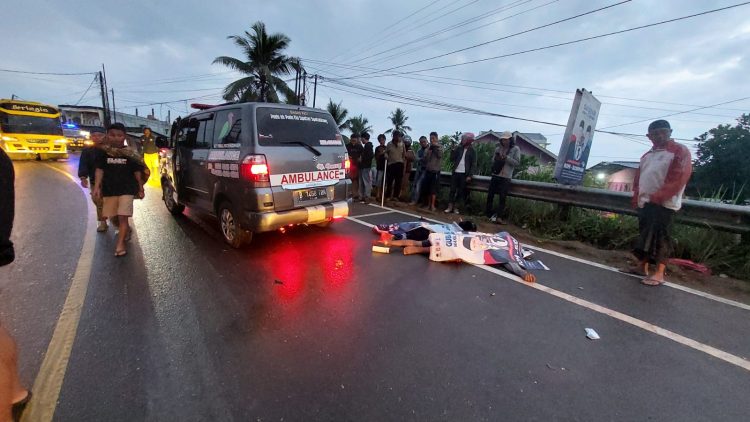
507,156
464,159
657,194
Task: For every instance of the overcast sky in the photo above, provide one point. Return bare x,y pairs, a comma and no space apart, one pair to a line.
158,51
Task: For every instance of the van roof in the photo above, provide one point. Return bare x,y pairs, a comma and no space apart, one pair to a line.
255,105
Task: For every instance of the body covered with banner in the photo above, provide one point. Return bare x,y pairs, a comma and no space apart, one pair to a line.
481,249
416,230
579,134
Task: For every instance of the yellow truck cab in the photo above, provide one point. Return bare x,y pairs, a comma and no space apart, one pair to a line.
31,130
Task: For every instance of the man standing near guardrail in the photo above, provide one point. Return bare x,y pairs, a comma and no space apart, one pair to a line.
464,163
507,156
657,194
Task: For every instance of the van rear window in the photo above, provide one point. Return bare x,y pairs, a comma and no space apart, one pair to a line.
278,126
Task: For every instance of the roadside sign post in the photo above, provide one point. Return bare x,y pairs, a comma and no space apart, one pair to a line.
579,134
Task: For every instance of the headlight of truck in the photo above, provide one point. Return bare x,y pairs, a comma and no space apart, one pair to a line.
61,141
8,138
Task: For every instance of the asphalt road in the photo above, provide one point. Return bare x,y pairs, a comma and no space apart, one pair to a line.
311,325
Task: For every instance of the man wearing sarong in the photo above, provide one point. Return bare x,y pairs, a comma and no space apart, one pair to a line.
657,194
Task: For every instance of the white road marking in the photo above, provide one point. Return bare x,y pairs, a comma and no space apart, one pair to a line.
693,344
602,266
49,380
372,214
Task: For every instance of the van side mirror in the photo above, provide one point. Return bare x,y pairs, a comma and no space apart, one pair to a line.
161,142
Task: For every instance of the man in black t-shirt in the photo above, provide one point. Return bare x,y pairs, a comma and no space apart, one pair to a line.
119,179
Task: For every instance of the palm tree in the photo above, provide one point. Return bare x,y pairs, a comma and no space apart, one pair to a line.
359,125
339,114
262,65
398,119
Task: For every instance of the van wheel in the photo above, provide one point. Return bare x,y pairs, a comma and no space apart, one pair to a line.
230,227
170,199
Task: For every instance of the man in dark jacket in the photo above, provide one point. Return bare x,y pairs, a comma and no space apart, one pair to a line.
421,169
379,165
355,149
87,173
464,163
365,169
7,204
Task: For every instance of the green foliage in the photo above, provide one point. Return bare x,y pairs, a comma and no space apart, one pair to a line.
721,163
263,64
484,152
398,119
359,125
339,113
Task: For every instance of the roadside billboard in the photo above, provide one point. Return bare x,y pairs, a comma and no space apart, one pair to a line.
576,144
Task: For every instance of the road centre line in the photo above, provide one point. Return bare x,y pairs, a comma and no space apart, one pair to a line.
602,266
49,380
373,214
647,326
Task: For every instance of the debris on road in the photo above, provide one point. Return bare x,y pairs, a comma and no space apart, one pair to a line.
591,334
492,294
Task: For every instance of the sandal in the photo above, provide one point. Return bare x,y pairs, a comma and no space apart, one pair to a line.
19,407
649,281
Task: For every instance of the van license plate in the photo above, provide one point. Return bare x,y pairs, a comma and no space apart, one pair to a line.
312,194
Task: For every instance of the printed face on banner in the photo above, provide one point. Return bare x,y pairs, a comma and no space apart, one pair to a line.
574,153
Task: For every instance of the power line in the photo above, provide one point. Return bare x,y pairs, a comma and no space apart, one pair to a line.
677,113
388,27
536,28
450,107
46,73
464,32
87,90
566,98
580,40
416,24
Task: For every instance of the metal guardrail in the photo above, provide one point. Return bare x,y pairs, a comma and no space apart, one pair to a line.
729,218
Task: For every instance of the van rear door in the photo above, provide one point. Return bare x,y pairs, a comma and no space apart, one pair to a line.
305,155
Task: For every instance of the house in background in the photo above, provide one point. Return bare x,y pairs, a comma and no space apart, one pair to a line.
533,144
94,116
618,175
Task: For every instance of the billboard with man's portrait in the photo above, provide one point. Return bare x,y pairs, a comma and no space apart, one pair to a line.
576,144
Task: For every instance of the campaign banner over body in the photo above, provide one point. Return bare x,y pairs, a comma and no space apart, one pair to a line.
480,249
576,144
416,230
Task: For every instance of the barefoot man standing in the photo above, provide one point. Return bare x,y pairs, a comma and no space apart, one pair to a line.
657,194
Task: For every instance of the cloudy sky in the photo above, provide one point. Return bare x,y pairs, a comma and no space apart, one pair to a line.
161,52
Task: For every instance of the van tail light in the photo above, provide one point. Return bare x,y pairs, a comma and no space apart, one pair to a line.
347,163
254,168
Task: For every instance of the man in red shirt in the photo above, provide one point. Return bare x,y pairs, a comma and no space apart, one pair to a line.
657,194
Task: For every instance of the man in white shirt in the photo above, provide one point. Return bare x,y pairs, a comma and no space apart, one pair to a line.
464,159
658,187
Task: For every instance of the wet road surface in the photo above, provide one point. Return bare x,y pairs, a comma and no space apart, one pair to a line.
311,325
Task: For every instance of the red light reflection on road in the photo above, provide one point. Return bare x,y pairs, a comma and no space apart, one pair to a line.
289,267
338,260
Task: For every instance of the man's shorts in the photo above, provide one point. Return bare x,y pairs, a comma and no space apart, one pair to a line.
118,205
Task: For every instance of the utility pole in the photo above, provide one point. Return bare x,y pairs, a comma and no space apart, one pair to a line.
304,88
114,107
315,90
105,109
296,86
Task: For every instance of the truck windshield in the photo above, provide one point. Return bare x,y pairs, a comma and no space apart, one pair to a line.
11,123
289,127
